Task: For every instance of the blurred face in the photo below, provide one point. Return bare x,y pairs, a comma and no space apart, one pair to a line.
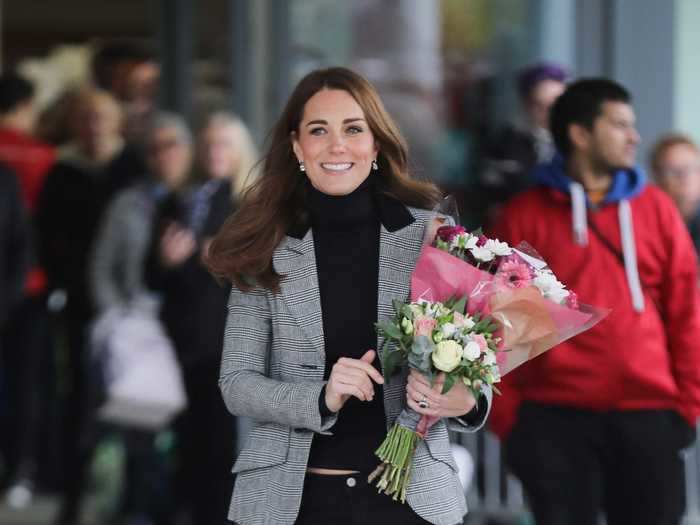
679,176
541,99
218,151
169,157
334,142
612,143
97,119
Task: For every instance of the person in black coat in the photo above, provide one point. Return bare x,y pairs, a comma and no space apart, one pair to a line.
91,170
523,143
15,258
15,251
193,312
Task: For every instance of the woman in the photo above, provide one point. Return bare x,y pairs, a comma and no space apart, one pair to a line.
194,315
92,168
117,277
227,150
321,245
124,237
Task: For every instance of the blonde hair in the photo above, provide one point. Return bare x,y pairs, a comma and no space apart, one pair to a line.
245,173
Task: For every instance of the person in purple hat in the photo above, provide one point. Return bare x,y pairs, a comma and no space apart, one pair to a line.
526,141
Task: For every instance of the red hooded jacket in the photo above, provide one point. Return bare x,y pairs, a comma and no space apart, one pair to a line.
630,360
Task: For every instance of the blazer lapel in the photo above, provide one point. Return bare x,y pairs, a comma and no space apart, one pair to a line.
295,259
398,253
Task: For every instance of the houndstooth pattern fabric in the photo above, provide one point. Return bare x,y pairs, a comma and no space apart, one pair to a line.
272,370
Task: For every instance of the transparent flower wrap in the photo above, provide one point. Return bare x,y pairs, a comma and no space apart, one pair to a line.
530,323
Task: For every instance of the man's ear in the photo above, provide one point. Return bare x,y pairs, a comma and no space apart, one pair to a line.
579,136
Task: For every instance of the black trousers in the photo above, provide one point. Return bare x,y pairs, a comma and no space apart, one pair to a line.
25,355
575,464
206,447
350,500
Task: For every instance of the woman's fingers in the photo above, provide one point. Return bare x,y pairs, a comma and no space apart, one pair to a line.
356,379
418,393
362,365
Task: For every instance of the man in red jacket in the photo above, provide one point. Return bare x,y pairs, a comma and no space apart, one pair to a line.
598,423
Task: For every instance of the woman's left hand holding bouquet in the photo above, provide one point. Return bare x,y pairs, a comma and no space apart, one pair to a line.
458,401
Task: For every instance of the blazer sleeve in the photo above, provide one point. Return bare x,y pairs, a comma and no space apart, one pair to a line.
246,388
475,419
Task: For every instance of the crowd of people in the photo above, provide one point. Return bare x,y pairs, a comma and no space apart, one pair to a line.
109,204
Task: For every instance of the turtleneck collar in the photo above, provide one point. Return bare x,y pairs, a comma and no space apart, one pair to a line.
392,213
342,212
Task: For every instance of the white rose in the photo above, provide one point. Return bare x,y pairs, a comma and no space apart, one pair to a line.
448,329
447,355
482,253
498,248
489,359
472,351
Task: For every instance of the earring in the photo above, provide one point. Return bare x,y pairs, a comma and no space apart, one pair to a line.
302,167
375,166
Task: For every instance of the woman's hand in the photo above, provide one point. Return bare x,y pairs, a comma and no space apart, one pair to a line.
176,246
457,402
352,377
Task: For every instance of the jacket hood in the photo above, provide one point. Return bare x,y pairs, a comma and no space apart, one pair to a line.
626,183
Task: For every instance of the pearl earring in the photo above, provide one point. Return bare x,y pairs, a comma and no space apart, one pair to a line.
302,167
375,166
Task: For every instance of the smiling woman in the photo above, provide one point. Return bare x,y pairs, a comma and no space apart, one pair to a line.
336,150
322,244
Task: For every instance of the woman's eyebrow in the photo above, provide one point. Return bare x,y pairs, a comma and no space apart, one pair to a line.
325,122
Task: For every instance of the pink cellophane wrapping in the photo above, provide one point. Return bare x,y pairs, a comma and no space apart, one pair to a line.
529,323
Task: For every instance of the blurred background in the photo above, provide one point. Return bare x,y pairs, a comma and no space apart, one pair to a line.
451,72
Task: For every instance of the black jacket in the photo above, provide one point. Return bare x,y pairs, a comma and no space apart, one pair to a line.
71,204
194,304
15,243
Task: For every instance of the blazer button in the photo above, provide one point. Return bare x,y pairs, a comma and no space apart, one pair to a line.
351,482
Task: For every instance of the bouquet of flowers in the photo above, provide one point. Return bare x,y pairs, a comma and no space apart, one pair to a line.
479,308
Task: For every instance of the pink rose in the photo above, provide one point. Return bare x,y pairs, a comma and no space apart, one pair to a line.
481,341
424,326
447,233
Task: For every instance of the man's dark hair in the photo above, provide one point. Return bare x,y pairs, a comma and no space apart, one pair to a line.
111,53
581,103
14,90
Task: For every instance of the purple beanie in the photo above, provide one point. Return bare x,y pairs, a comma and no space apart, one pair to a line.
530,76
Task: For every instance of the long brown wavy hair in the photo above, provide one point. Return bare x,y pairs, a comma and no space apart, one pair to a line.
242,249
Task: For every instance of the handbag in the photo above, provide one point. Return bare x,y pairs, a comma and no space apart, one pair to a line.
142,383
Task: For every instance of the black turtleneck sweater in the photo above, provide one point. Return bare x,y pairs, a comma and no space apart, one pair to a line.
346,243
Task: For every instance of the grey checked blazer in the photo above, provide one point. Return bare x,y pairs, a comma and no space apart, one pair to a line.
272,370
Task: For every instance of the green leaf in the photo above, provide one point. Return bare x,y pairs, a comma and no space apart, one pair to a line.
397,306
461,305
449,383
391,359
391,330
